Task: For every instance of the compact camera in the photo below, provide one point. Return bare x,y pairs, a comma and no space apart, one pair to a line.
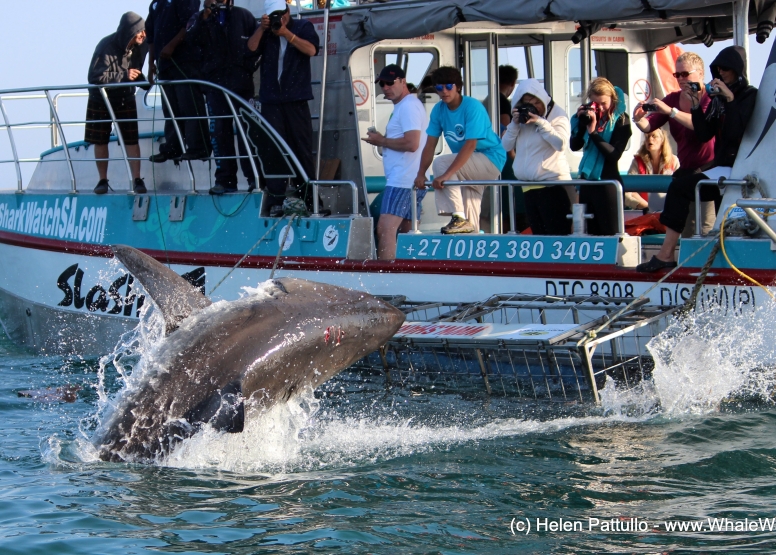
649,107
523,112
584,117
216,7
695,87
711,89
274,20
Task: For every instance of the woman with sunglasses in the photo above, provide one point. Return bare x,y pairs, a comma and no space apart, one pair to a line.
601,130
477,153
725,119
674,109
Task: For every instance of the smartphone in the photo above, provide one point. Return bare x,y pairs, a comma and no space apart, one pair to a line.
371,130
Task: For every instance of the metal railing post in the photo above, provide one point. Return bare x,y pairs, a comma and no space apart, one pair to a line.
323,88
241,131
64,143
13,149
178,134
414,209
119,135
512,216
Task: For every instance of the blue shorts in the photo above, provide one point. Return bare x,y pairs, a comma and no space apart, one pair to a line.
397,201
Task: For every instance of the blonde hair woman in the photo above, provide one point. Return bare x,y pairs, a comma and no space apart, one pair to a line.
655,157
601,129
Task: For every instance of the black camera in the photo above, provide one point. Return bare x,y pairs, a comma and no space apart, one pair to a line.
649,107
523,112
216,7
275,22
584,117
695,87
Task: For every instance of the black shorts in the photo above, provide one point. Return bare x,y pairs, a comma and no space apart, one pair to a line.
98,120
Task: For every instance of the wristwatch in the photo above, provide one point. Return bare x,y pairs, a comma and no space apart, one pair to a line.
673,113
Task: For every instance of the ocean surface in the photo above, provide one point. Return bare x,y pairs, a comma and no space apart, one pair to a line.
686,464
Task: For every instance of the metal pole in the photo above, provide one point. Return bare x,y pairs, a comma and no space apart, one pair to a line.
512,217
585,65
118,134
178,133
741,27
241,131
13,149
414,209
323,88
495,91
64,142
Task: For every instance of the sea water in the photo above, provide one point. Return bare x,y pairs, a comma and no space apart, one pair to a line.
684,464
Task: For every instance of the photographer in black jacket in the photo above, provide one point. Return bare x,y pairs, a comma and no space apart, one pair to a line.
227,37
725,120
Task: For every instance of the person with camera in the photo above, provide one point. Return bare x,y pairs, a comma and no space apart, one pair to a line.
173,58
539,135
226,36
601,130
725,119
401,144
477,152
118,58
674,109
286,89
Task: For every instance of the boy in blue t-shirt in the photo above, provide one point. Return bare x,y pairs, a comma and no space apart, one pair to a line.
478,154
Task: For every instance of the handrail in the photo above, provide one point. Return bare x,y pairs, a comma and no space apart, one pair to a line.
353,188
515,183
178,134
721,183
244,139
237,104
323,88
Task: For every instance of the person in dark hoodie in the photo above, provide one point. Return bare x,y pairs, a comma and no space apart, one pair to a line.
725,119
173,58
118,58
226,36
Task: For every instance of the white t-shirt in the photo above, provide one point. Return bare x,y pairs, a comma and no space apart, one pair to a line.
401,168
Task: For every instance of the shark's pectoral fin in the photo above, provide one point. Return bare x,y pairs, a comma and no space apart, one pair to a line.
175,297
223,410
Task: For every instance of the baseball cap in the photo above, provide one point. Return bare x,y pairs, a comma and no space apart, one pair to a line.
391,72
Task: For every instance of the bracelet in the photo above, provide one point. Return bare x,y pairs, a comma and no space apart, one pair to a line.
673,113
293,38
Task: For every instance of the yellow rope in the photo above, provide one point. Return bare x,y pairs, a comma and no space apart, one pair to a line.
724,253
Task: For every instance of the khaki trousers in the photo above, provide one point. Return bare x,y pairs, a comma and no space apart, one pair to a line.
466,199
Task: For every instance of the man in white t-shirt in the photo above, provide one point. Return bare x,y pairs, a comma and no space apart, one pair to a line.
402,146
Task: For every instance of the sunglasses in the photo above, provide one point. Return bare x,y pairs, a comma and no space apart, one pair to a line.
723,68
684,74
385,83
448,86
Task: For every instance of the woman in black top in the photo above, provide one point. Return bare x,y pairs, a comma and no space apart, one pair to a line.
725,119
602,129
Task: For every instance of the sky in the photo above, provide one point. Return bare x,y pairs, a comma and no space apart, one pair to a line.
48,42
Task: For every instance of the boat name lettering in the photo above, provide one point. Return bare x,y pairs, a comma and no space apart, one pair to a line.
575,287
439,329
509,249
730,298
120,293
55,220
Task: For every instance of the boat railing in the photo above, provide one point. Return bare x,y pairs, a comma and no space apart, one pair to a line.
749,205
512,185
57,125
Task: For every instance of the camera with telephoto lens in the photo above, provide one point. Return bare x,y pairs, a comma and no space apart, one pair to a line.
584,117
710,89
523,112
695,87
275,22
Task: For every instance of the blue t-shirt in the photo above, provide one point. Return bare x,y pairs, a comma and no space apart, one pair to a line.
469,121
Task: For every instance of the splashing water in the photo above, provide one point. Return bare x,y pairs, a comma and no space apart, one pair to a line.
711,357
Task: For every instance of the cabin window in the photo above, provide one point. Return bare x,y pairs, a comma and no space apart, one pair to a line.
529,61
612,64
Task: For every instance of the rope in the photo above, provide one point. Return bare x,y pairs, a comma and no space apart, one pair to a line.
727,259
256,244
282,244
689,304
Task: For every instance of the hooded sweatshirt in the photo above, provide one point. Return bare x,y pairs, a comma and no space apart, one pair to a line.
539,148
726,121
113,59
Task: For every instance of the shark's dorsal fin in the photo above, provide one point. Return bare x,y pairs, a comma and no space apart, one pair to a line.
175,297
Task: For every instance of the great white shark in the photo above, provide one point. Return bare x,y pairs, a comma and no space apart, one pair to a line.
218,359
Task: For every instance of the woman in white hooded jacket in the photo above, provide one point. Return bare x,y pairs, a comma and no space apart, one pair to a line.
540,144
